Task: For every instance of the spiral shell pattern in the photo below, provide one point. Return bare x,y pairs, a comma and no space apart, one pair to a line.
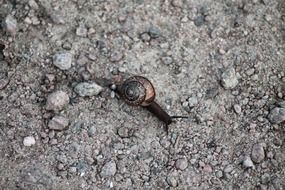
137,91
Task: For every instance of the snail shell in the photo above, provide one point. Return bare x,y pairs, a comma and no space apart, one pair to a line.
137,91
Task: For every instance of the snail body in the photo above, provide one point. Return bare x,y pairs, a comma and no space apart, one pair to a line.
139,91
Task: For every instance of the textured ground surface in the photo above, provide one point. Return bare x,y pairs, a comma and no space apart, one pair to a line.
221,62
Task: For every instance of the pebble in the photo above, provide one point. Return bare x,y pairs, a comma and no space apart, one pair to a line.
116,56
123,132
277,115
63,60
81,31
33,4
237,108
265,178
181,164
172,181
82,167
199,21
257,153
167,60
222,51
57,100
109,169
177,3
88,89
92,131
247,162
219,174
192,101
154,32
228,168
250,72
145,37
58,123
229,79
10,24
29,141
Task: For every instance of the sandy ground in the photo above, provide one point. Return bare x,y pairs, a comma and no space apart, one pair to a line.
219,62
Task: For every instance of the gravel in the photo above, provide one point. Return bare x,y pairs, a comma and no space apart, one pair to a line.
58,123
81,31
57,100
218,62
229,79
109,169
257,153
199,21
247,162
63,60
172,181
181,164
237,108
277,115
154,32
29,141
88,89
10,24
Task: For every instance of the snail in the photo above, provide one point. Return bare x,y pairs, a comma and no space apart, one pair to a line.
139,91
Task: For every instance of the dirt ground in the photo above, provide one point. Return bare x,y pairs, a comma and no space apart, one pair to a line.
220,62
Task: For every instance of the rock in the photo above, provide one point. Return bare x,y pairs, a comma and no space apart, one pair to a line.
229,79
33,4
237,108
192,101
257,153
82,167
277,115
92,131
199,21
145,37
265,178
10,24
29,141
124,132
219,174
167,60
63,60
88,89
281,104
109,169
81,31
247,162
181,164
154,32
116,56
177,3
228,168
57,100
172,181
58,123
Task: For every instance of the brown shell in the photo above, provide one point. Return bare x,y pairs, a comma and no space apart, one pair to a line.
137,90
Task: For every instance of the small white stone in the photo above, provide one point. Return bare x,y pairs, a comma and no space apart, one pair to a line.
29,141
